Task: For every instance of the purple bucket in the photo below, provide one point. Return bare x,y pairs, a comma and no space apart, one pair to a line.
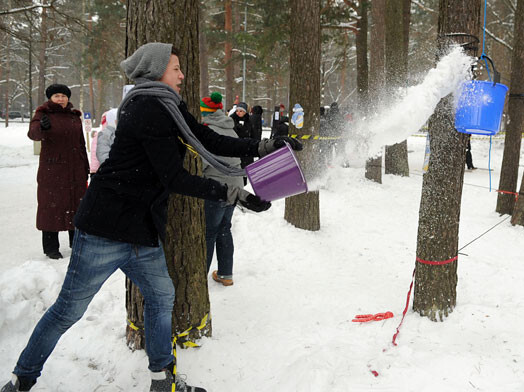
277,175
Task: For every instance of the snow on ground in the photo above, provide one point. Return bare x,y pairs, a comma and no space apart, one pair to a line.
286,325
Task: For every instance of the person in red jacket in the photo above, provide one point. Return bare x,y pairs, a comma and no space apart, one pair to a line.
63,169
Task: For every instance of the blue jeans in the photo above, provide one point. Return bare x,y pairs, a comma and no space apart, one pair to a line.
218,230
93,261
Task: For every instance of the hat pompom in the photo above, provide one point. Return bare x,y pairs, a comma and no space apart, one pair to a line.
216,97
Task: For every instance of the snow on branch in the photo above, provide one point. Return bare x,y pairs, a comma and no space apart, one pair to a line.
499,40
28,8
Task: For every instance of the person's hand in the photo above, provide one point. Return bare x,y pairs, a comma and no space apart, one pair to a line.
45,124
267,146
245,199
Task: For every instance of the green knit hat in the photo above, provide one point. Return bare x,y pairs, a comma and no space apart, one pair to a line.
211,104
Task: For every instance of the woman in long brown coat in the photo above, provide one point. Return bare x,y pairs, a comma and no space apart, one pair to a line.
63,170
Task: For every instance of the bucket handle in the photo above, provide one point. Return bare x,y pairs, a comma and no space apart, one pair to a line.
496,74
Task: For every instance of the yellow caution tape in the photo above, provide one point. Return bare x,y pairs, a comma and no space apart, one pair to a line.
189,147
188,343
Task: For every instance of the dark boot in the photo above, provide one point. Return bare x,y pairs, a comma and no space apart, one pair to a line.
18,384
51,245
163,382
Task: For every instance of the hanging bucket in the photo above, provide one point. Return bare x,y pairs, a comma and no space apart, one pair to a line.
480,107
277,175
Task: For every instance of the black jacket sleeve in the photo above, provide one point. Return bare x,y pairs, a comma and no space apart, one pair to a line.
220,144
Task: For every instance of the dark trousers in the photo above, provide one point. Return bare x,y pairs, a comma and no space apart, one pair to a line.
50,241
218,231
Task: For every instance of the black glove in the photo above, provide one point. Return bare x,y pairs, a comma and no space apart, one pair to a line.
45,124
246,199
267,146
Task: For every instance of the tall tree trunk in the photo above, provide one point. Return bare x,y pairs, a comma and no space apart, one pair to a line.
30,76
517,218
377,76
510,162
439,216
203,50
303,210
362,57
396,157
228,55
7,76
42,57
100,102
176,22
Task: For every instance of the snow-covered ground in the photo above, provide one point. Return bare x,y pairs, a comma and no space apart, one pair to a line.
286,325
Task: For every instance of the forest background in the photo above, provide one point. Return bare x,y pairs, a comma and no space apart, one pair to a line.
244,50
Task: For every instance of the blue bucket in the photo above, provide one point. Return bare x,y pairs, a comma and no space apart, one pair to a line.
480,107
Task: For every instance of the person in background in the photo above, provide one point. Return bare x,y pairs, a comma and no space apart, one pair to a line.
469,157
106,136
95,163
243,129
256,122
279,126
335,127
218,213
123,214
63,167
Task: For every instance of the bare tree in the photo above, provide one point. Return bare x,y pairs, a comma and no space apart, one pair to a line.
439,215
376,76
175,22
510,162
303,210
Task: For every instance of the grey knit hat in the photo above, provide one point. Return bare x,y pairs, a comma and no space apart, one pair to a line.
148,62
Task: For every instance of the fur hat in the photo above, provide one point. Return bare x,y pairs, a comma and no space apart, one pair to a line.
148,62
57,89
211,104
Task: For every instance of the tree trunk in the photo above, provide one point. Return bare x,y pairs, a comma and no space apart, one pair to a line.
203,50
510,162
362,57
439,216
396,157
7,76
228,54
303,210
42,57
517,218
377,76
176,22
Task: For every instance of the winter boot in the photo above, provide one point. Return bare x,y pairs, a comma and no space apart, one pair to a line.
162,382
55,255
226,281
18,384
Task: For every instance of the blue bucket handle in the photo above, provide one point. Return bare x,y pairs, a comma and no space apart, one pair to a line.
496,74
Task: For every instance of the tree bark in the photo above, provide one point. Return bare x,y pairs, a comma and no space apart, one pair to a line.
439,216
176,21
377,77
510,162
42,57
228,55
396,156
202,47
362,56
303,211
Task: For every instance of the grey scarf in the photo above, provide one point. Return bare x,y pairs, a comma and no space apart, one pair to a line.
170,100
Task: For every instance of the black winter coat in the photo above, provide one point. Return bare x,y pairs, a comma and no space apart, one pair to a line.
127,198
244,130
